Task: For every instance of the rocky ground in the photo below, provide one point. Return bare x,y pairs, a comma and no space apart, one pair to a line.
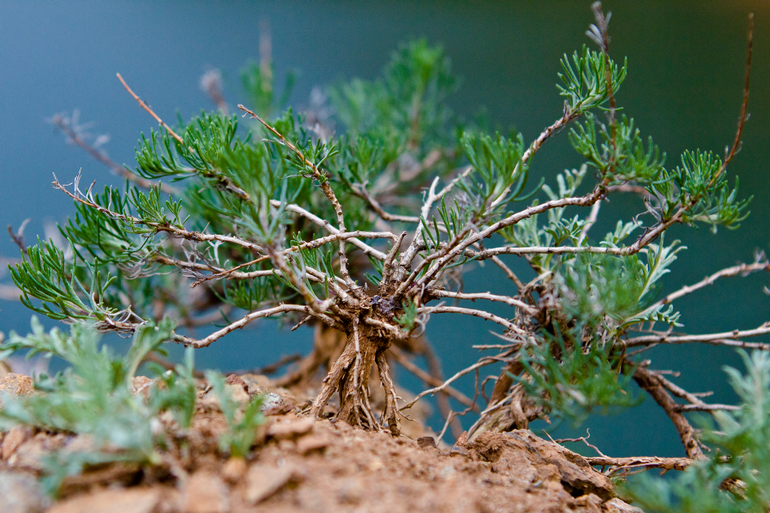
303,465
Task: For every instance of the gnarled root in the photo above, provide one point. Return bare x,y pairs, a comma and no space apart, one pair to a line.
350,377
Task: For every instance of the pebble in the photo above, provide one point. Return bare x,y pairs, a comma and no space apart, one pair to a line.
20,493
205,492
136,500
263,481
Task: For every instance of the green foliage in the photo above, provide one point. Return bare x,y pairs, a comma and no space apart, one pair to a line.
699,184
242,421
574,374
408,319
584,79
617,149
43,274
736,475
93,397
256,220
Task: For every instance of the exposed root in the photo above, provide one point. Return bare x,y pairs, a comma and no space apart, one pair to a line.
350,376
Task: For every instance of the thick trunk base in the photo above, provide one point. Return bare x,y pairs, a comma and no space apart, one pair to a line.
350,376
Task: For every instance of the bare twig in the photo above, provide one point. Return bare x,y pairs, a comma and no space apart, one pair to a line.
226,181
150,111
650,383
62,124
741,269
728,338
387,267
368,250
475,313
246,319
408,255
590,220
87,199
323,180
521,305
445,256
18,237
622,465
483,362
583,439
708,407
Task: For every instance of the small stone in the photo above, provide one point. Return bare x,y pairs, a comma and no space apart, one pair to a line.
263,481
234,379
291,428
238,393
234,470
20,493
14,438
15,385
459,451
351,491
31,454
426,442
205,492
618,506
132,500
141,385
275,404
311,443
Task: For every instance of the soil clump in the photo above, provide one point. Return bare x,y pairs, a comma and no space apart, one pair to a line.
299,464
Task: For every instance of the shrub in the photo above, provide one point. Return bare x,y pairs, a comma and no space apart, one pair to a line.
367,233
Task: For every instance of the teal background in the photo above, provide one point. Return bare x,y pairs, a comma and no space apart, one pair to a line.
684,87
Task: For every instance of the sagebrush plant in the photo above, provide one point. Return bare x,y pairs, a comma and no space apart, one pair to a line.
94,397
361,215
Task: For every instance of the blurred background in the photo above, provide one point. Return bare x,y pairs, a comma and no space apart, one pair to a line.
686,63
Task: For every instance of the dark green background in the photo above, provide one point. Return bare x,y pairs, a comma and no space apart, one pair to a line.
684,88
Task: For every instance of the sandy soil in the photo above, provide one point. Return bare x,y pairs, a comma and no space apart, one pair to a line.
302,465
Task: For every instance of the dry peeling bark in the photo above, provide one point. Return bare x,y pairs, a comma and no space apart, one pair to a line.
300,464
350,374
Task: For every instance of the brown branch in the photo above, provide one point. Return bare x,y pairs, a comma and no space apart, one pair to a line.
150,111
521,305
645,462
18,237
728,338
86,199
696,403
651,383
246,319
323,179
742,269
481,363
224,180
